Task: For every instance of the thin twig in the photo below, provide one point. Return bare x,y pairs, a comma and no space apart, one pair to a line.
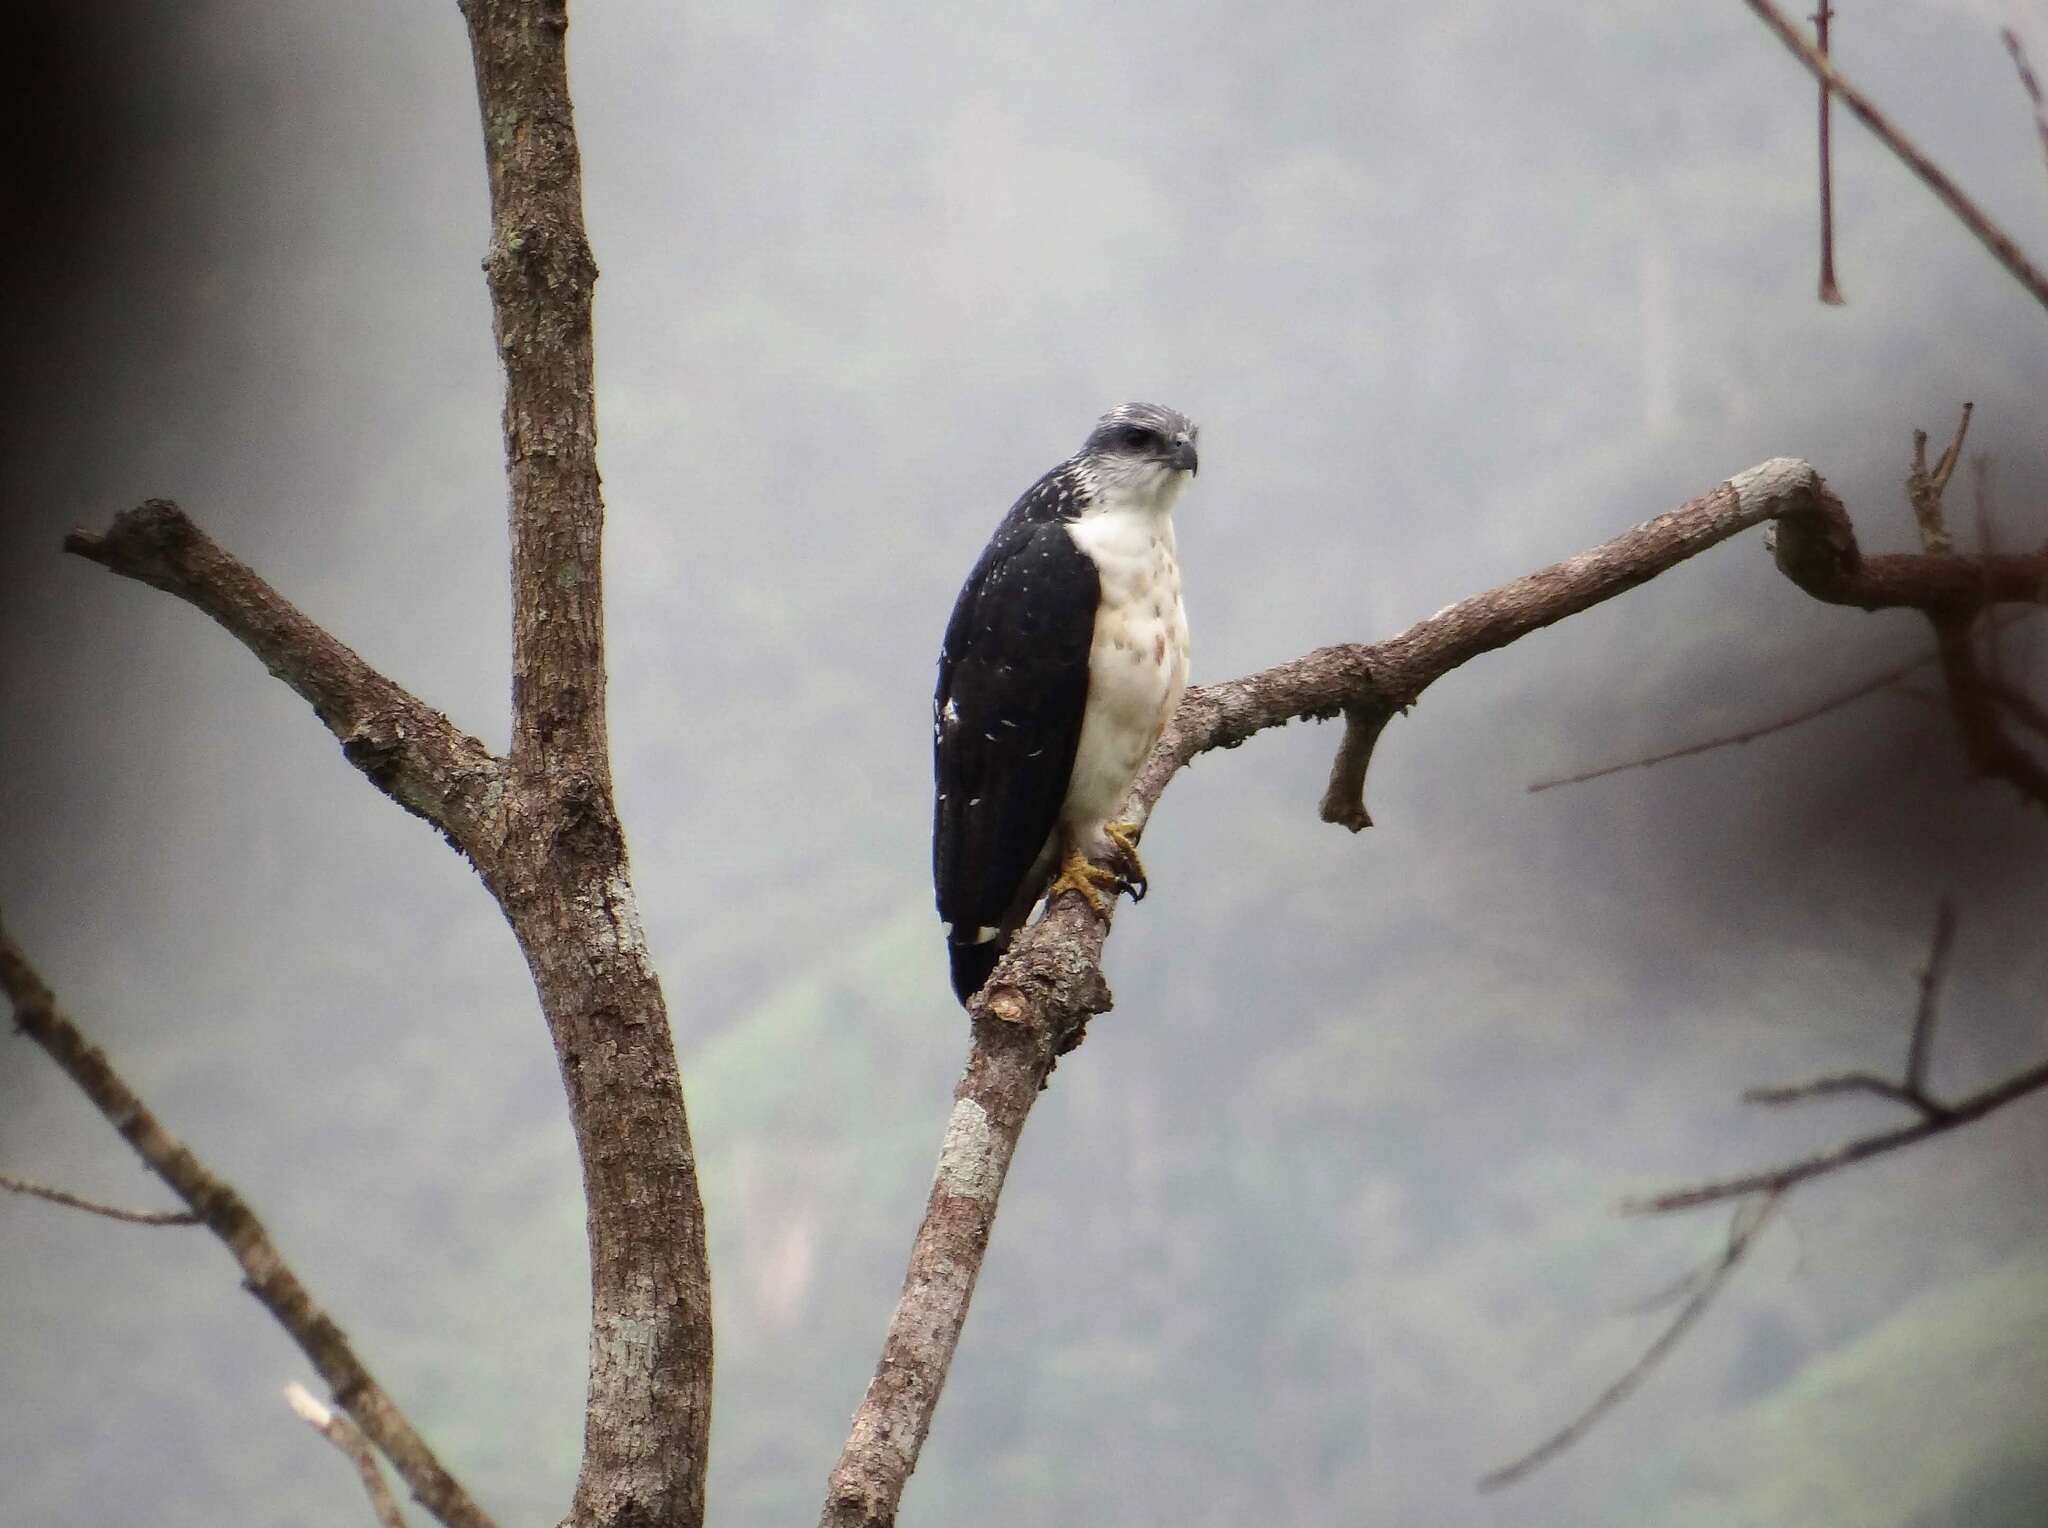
1846,1082
1925,486
1859,691
1743,1227
265,1274
94,1207
1984,501
1830,293
1771,1180
1988,233
337,1429
2029,84
1930,991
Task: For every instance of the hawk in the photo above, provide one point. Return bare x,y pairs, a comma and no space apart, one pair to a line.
1066,654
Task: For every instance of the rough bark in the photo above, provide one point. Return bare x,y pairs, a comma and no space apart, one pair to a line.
539,824
567,890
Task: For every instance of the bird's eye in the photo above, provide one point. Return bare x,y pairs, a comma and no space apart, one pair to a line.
1137,438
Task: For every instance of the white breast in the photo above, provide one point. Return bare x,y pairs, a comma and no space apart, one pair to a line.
1138,665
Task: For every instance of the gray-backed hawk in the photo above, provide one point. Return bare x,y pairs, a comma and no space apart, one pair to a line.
1066,654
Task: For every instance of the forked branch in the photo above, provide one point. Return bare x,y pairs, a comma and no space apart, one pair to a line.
1759,1193
1038,1002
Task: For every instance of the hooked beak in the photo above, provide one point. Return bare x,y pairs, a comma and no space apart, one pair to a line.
1184,457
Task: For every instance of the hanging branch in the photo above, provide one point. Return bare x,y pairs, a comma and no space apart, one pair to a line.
1830,293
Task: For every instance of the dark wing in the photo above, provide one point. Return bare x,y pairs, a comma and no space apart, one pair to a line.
1013,684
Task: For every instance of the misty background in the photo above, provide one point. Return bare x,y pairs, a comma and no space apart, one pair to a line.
1318,1226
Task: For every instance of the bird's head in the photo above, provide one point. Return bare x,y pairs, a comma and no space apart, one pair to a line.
1143,452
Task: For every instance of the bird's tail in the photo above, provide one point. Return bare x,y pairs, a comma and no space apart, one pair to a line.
972,961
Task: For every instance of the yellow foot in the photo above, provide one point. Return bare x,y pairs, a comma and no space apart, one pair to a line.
1125,836
1079,874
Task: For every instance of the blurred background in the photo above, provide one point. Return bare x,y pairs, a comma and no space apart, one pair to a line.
1320,1223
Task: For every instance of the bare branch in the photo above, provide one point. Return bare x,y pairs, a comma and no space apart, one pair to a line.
1847,1082
1706,1284
2029,84
94,1207
410,751
1343,800
265,1273
1925,486
1962,1112
1830,293
567,887
1989,234
1037,1004
337,1429
1924,1014
1935,1116
1862,690
1974,705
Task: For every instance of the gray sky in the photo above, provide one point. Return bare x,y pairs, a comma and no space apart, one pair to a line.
1318,1225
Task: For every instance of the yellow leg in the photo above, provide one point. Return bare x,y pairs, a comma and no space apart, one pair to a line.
1078,874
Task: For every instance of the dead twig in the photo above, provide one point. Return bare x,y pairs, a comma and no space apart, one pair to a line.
1936,1116
1830,293
94,1207
1862,690
337,1429
1962,1112
1925,485
1705,1284
1762,1192
1988,233
1924,1014
2029,84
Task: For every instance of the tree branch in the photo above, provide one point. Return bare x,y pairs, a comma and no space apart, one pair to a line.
337,1429
1791,1174
541,826
1922,1041
265,1273
1037,1004
567,889
2029,84
410,751
1859,691
1989,234
1936,1117
94,1207
1705,1284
